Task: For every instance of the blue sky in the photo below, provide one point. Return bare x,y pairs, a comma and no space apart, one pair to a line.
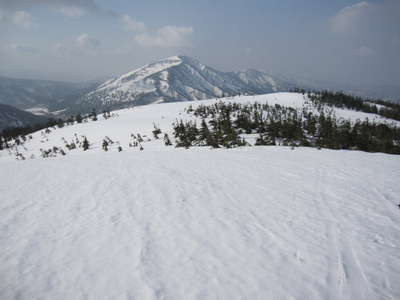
340,41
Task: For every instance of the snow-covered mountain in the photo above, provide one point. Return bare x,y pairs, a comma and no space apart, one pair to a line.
180,78
13,117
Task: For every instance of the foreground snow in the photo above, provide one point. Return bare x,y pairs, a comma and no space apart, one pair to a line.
250,223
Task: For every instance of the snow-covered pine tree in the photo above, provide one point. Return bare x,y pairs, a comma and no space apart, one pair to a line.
105,145
78,118
167,141
85,144
156,131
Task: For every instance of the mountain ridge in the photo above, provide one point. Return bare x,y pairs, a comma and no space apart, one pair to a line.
40,96
13,117
179,78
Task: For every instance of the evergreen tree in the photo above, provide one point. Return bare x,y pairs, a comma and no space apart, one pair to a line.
105,145
156,131
78,118
264,140
60,123
167,141
93,115
204,133
85,144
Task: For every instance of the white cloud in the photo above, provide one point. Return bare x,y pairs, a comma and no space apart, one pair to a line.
131,24
72,11
60,47
365,51
84,41
22,18
166,37
83,44
347,18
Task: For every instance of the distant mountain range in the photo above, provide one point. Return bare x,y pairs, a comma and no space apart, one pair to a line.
41,96
13,117
177,78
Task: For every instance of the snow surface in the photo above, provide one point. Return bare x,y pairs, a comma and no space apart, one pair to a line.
167,223
254,223
127,81
39,111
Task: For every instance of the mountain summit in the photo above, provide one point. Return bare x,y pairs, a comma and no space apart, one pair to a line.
180,78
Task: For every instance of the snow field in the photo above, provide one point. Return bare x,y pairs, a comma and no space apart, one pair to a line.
168,223
250,223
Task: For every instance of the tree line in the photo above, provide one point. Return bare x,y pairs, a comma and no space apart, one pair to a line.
227,124
17,134
383,108
233,124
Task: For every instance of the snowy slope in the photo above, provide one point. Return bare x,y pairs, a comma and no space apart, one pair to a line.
258,80
141,119
168,223
180,78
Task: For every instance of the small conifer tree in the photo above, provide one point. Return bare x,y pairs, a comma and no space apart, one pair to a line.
85,144
167,141
156,131
105,145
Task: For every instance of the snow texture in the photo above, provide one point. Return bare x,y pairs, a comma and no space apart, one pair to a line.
167,223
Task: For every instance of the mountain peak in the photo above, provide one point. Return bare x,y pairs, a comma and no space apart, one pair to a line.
179,59
179,78
141,73
152,68
187,59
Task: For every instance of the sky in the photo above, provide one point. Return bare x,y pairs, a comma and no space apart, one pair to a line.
339,41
